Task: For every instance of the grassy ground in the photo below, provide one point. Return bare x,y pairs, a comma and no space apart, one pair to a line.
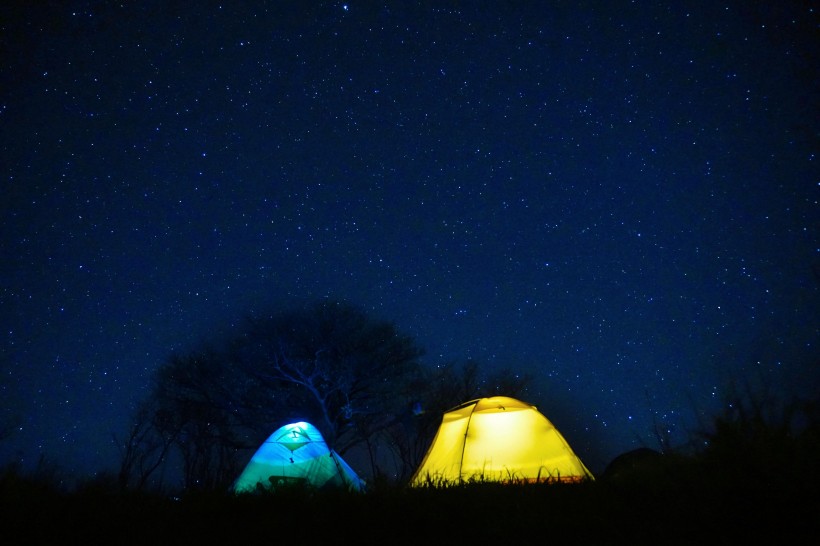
669,509
756,478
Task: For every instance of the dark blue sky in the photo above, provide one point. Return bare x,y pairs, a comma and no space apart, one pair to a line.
618,197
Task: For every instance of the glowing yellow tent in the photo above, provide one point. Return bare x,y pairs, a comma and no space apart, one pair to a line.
498,439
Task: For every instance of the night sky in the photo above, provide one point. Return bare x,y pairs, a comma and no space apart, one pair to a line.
620,198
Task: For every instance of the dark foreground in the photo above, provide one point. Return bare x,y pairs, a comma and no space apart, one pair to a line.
654,511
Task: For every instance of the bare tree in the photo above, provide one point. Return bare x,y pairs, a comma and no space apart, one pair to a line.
328,363
144,449
204,404
348,372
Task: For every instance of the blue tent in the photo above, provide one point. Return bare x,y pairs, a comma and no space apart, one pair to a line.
296,453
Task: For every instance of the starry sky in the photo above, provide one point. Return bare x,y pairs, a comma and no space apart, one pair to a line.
620,198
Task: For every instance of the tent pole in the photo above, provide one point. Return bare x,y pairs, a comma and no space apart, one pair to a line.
464,444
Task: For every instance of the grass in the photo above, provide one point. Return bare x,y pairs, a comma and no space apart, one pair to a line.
673,510
755,477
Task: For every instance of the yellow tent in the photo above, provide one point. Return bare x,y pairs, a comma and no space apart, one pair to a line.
498,439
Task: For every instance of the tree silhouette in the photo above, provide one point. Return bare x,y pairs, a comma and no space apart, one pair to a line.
346,372
328,363
144,448
204,403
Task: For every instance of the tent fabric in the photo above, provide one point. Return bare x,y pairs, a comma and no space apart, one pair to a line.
498,439
296,453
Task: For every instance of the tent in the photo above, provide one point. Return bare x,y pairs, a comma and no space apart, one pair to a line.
296,453
498,439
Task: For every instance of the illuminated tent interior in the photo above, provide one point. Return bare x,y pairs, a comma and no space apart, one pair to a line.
296,453
498,439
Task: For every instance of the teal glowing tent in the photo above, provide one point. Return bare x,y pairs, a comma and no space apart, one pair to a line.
296,453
